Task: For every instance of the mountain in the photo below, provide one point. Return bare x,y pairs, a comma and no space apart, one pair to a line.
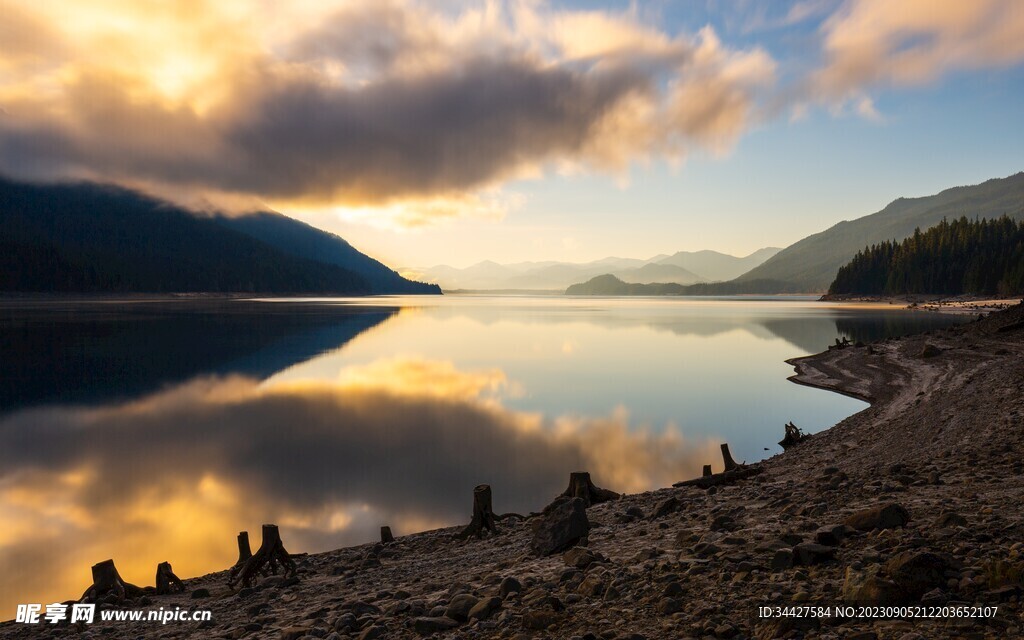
556,276
301,240
659,272
89,238
715,266
609,285
811,264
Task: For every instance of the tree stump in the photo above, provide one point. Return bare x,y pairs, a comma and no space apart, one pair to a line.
268,556
794,436
386,536
106,581
707,471
580,486
483,514
730,464
166,581
244,550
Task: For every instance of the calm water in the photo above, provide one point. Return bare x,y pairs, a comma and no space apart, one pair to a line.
151,431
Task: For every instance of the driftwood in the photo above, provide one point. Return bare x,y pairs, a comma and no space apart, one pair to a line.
580,486
270,554
107,581
386,536
733,472
166,581
794,436
483,514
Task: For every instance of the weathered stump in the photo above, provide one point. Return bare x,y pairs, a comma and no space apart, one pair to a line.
580,486
166,581
483,514
386,536
244,550
793,436
269,555
730,464
107,581
707,470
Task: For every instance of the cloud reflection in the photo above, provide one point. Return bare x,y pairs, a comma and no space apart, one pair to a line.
173,475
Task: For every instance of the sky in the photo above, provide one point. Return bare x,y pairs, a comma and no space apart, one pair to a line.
513,130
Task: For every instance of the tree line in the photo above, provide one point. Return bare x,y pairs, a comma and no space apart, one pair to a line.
962,256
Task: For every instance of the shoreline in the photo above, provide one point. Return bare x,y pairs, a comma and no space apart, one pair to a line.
958,305
682,563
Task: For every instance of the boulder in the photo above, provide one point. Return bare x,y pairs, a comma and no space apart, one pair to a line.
562,525
579,557
868,587
485,608
460,606
426,626
509,585
886,516
808,553
916,573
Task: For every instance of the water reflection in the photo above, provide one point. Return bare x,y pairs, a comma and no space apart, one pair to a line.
172,475
155,431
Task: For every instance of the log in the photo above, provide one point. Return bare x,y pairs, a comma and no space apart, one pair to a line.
244,550
270,554
707,470
581,486
730,464
166,581
483,514
106,581
386,536
719,479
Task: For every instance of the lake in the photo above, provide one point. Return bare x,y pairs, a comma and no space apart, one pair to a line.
156,430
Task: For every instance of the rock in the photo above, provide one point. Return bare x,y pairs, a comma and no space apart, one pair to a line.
510,585
831,535
930,351
668,606
201,592
886,516
809,553
485,608
592,586
562,524
867,587
373,632
722,523
950,519
916,573
672,590
294,633
426,626
579,557
667,506
542,619
460,606
783,559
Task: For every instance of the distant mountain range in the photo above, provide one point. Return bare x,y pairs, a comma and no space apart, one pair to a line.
89,238
684,267
811,264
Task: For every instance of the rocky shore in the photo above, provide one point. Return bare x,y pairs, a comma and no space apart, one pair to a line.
914,501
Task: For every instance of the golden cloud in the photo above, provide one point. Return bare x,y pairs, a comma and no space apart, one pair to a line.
386,105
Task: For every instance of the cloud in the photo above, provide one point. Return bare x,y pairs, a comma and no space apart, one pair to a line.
875,43
384,104
175,474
